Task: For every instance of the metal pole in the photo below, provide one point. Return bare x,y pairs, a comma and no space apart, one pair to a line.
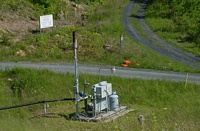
85,100
186,80
99,74
121,46
113,70
94,102
76,84
45,109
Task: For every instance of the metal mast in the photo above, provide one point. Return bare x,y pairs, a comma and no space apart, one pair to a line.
76,84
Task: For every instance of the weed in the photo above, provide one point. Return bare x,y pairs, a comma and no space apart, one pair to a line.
102,26
165,105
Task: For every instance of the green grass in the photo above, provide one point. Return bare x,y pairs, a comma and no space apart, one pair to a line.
165,28
102,26
134,14
165,105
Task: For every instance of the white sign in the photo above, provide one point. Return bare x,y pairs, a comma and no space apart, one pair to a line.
46,21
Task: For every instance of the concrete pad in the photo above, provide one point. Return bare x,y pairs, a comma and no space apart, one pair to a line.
107,116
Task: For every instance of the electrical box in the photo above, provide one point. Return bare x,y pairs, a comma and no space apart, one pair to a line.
101,93
104,90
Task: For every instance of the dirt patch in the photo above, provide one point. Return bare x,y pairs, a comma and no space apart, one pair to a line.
18,25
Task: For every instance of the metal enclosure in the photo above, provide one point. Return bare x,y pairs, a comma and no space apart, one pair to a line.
101,93
104,103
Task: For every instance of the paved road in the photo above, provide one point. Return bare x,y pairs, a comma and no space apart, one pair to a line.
126,72
153,41
105,70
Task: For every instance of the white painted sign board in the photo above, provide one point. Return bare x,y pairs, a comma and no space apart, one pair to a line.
46,21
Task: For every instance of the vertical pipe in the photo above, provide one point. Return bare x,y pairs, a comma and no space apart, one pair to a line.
121,39
94,102
45,109
186,80
76,72
85,100
99,75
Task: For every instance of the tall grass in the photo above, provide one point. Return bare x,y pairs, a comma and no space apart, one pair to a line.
172,21
99,24
165,105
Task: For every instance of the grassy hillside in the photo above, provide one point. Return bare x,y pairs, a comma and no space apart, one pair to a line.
165,105
176,21
98,25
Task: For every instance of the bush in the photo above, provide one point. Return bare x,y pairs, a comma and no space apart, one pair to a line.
185,15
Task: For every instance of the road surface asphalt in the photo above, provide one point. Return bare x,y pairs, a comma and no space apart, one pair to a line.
165,49
105,70
152,41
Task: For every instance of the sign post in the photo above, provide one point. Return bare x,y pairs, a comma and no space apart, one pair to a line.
121,46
